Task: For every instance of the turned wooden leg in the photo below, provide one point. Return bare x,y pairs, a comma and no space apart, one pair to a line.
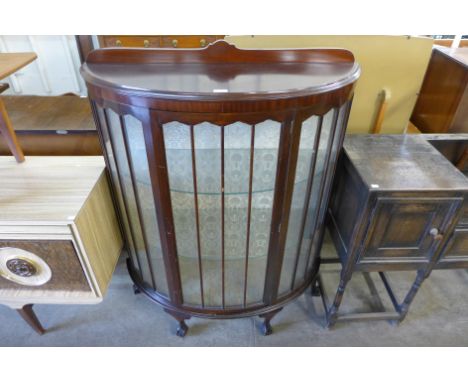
332,313
27,313
404,306
182,329
266,328
9,134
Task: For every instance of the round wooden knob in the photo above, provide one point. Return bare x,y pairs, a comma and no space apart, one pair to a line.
434,232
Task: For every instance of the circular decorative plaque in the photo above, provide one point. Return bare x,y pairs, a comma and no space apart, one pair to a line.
23,267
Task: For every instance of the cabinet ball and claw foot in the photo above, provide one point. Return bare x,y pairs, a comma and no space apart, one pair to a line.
59,235
397,205
222,161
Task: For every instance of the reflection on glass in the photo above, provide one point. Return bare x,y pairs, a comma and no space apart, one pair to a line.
208,172
303,171
122,165
343,113
326,135
118,189
139,161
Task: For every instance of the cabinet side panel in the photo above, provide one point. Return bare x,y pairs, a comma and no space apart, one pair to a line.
99,232
345,205
439,96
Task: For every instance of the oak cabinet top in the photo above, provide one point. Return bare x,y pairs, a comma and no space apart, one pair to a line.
401,163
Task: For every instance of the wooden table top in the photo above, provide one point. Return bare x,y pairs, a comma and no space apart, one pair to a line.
11,62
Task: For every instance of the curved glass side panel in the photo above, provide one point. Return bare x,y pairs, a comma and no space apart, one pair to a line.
117,187
138,160
124,177
316,195
337,141
302,183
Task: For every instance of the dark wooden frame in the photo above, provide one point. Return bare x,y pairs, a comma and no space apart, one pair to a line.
154,108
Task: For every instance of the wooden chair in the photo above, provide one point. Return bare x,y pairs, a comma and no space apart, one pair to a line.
7,131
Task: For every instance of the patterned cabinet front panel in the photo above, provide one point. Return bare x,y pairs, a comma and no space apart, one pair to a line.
408,229
23,261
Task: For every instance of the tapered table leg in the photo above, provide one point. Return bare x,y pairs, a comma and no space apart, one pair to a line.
6,130
27,313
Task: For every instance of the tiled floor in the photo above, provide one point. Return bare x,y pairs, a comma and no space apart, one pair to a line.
439,317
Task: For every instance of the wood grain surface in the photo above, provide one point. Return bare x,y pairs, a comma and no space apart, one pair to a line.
99,232
11,62
46,189
49,113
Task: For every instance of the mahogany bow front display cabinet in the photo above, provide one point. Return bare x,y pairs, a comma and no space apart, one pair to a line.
221,161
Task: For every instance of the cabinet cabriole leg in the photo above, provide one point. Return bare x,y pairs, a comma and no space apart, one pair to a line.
136,290
315,289
182,328
266,328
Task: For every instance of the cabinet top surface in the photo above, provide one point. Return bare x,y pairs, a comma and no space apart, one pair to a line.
457,54
221,71
46,189
402,163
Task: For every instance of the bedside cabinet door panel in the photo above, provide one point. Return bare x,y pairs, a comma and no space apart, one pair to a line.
59,256
408,229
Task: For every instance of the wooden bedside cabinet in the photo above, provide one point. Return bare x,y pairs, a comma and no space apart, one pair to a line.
395,205
59,235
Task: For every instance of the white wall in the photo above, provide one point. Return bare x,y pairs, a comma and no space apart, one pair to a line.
54,72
